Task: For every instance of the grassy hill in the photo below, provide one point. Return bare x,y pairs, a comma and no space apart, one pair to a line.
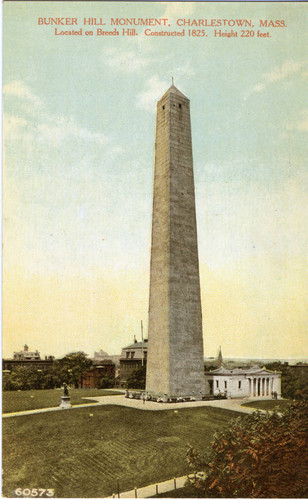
82,452
32,400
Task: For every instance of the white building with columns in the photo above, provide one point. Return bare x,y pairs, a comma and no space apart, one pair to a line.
252,382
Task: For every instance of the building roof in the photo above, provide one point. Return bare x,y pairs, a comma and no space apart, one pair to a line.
99,362
101,354
254,370
137,345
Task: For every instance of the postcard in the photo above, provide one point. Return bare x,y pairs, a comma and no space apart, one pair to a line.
154,248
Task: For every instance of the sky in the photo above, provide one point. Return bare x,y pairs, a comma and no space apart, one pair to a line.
79,124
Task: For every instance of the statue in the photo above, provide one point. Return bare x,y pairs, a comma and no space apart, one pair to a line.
65,399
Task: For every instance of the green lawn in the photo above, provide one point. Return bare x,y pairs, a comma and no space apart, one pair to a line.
82,452
32,400
270,404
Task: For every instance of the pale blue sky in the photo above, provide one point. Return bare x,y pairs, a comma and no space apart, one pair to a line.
79,119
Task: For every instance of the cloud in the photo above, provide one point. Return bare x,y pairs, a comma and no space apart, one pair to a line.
282,72
184,71
59,129
147,99
301,123
12,126
259,87
47,127
51,130
278,74
125,61
16,88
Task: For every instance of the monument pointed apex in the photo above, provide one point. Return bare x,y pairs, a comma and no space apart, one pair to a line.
174,90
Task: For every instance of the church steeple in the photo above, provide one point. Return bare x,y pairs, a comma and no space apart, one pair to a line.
219,359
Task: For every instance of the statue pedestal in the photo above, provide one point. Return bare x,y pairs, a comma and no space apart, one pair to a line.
65,402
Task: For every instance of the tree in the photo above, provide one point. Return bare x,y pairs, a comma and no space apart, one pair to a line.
6,381
26,377
51,379
21,379
258,456
106,382
137,379
72,367
294,381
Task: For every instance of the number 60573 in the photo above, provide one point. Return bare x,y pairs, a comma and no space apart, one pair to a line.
34,492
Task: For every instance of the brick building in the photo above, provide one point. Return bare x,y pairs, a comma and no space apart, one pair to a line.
100,369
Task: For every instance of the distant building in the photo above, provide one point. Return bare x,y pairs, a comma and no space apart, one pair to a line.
239,383
26,354
100,369
29,359
132,357
101,355
211,363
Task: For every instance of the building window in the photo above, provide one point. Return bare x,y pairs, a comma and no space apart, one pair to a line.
127,355
163,107
132,354
239,384
217,383
225,384
180,106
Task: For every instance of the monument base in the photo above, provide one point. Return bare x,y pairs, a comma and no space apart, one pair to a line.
169,398
65,402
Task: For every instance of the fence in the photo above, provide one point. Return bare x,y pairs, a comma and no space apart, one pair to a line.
154,489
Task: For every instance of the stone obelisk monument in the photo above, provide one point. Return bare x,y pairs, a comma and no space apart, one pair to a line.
175,344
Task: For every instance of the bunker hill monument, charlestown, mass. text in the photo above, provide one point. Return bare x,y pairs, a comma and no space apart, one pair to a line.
175,345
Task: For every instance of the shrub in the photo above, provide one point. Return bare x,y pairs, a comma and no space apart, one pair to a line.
258,456
106,382
137,379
